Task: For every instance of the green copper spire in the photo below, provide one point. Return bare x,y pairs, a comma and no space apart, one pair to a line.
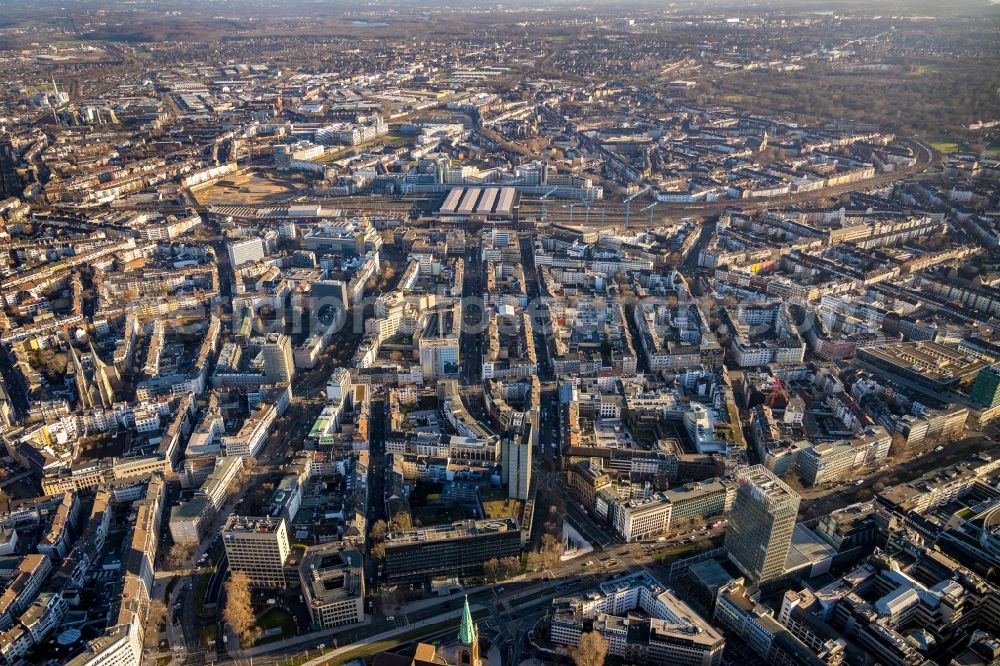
467,631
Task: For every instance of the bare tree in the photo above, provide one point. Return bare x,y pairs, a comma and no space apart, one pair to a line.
551,550
378,551
491,568
378,530
401,521
591,651
156,615
535,562
510,566
238,612
179,555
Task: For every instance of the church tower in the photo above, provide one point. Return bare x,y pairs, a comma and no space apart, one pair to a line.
467,649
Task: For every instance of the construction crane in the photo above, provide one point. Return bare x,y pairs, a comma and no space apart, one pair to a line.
628,204
543,200
774,392
650,208
55,88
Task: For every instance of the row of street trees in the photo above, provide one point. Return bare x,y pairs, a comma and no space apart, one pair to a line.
238,612
550,549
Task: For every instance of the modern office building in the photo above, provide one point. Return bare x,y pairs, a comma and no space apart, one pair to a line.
677,508
333,585
246,251
516,457
222,481
10,180
700,500
459,417
761,523
259,547
643,622
827,462
279,361
927,367
457,549
326,296
986,390
641,518
439,357
190,520
437,341
338,386
755,624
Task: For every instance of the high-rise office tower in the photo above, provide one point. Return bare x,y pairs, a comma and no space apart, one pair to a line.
439,357
279,362
761,523
259,547
10,181
986,391
245,251
516,457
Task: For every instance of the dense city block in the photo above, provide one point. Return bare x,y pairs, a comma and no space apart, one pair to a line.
401,334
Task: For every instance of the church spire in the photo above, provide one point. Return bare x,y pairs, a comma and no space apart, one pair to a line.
467,630
467,649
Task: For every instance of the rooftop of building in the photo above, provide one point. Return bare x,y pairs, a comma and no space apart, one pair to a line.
332,573
765,480
252,524
934,361
807,549
458,530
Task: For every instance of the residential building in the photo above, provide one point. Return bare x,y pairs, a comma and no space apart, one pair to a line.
22,589
44,615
